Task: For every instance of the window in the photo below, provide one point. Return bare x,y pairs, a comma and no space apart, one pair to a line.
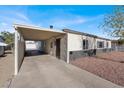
85,44
100,44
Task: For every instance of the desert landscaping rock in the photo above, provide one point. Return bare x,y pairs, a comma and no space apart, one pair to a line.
107,65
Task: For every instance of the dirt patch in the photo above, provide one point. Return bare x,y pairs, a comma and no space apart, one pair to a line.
109,66
6,67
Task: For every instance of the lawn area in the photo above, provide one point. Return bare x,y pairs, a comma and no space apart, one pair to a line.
6,68
109,66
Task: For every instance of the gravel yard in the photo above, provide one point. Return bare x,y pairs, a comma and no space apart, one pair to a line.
112,56
109,66
6,68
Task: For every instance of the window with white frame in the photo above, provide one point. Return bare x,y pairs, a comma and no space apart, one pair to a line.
100,44
85,44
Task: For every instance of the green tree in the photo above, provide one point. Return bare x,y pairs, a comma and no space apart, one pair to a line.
113,23
8,37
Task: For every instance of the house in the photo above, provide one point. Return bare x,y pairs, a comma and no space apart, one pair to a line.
33,45
33,48
118,45
84,44
64,44
2,45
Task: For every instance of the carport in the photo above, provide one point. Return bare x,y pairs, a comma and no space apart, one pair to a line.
55,42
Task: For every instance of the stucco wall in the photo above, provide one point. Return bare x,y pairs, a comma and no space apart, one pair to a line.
63,50
105,43
48,49
52,50
75,42
20,50
91,41
110,44
75,46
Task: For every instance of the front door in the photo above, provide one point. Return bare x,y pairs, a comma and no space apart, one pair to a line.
58,48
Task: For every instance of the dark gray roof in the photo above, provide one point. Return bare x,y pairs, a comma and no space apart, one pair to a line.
82,33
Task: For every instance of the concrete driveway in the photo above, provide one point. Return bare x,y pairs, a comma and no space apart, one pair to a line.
45,71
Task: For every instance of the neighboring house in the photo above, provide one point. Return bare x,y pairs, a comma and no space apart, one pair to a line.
33,45
33,48
65,44
2,45
117,45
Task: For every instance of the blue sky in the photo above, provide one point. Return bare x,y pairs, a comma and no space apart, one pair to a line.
81,18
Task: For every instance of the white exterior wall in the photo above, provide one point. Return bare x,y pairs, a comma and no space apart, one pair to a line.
19,51
91,42
105,43
109,44
34,45
74,42
31,45
97,39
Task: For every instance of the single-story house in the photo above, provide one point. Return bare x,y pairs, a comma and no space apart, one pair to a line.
64,44
117,45
34,48
33,45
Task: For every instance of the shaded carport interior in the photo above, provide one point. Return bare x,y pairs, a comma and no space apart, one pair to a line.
24,32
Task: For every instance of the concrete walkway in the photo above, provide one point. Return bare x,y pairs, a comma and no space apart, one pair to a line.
44,71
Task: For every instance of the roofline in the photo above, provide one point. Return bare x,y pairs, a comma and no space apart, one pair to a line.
82,33
16,26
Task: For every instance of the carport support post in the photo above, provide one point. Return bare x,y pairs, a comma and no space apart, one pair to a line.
67,49
16,52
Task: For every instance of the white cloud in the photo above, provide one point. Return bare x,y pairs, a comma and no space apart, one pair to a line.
22,16
65,21
6,22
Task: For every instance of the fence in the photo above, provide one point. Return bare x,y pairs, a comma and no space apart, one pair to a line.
118,48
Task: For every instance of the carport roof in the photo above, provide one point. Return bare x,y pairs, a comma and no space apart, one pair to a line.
36,33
